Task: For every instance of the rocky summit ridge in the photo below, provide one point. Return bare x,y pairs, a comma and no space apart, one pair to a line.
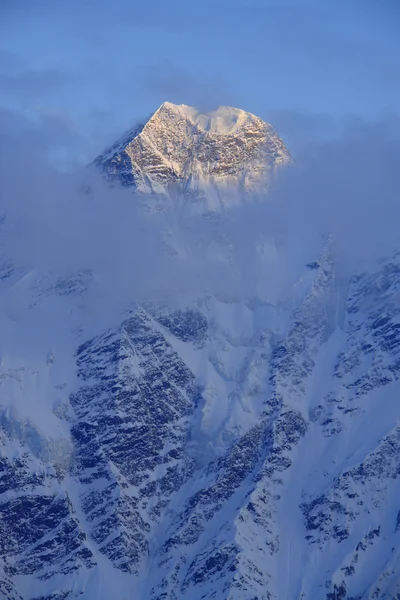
215,158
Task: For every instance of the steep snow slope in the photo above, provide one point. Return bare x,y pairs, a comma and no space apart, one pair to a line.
223,450
201,161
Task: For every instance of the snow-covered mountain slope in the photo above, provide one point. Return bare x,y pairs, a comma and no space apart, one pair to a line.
243,446
230,450
202,160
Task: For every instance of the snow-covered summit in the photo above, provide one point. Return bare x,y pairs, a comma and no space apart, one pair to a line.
215,158
225,120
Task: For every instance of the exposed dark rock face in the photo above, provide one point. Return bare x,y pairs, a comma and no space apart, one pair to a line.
185,508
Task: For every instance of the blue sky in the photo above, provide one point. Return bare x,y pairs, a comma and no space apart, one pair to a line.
91,68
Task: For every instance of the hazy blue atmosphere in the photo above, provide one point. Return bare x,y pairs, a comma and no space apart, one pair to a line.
199,317
85,71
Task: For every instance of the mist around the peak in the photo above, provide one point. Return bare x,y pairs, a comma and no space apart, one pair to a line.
61,223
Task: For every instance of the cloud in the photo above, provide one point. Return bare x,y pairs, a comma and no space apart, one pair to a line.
167,81
347,185
18,80
300,129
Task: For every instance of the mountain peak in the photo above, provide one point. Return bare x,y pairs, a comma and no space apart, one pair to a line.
213,158
225,120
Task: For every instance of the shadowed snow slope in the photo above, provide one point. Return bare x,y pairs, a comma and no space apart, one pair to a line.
226,449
